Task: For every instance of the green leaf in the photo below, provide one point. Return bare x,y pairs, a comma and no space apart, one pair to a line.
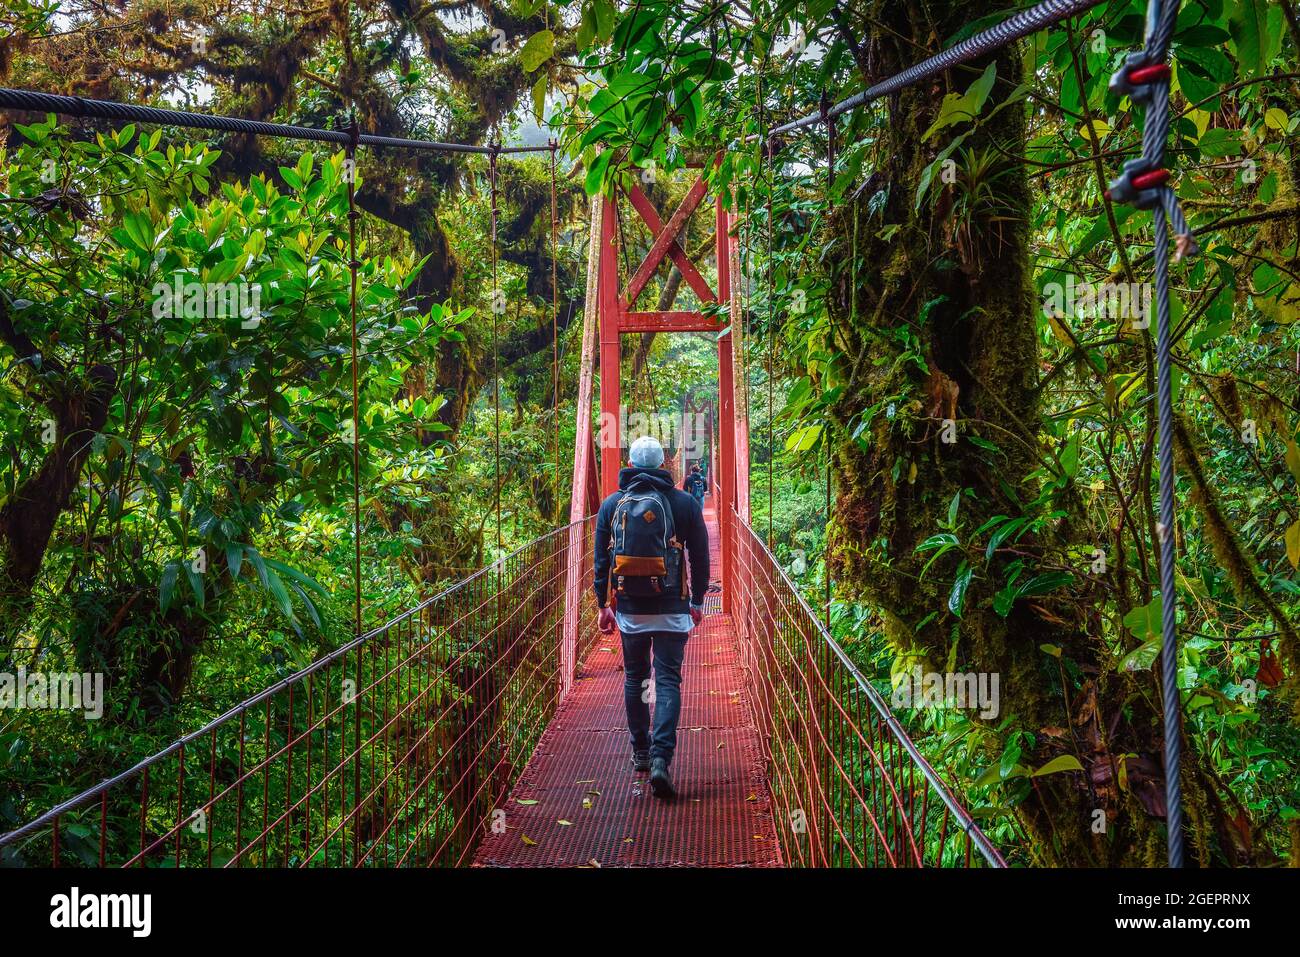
804,438
596,172
539,98
1196,88
1065,762
927,174
1144,621
1218,142
196,583
1044,583
586,28
291,177
296,575
941,543
938,541
1209,62
310,605
1009,764
957,597
167,585
255,559
964,107
234,559
537,50
1276,119
140,228
604,14
1002,534
276,587
1293,459
1142,657
1256,29
1069,457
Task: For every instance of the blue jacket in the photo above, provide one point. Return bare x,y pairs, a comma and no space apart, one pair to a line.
688,523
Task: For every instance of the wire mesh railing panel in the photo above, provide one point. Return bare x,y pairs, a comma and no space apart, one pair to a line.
394,750
849,788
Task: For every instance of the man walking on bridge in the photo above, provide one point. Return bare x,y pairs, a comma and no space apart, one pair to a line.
642,531
695,484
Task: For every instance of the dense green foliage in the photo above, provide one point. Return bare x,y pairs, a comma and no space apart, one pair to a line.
1039,522
925,280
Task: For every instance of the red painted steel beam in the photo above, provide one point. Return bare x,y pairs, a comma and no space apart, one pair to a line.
650,215
666,237
669,322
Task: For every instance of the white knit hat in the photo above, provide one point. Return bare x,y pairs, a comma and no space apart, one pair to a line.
646,453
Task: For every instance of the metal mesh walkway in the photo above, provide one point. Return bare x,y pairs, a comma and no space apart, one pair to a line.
579,803
466,731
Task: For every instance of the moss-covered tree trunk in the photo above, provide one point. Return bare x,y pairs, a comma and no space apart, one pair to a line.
935,322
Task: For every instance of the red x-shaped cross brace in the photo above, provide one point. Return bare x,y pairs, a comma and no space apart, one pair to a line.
665,244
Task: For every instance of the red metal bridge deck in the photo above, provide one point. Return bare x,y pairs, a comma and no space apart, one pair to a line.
579,802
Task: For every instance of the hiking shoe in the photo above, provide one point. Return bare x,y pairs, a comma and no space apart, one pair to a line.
661,782
640,760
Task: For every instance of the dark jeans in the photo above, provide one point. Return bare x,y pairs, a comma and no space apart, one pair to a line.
699,497
669,648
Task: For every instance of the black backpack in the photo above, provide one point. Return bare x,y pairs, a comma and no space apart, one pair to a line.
647,558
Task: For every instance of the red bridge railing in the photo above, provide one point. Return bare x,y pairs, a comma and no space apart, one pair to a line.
849,788
393,750
399,748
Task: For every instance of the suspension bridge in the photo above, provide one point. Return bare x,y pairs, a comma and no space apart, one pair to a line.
484,726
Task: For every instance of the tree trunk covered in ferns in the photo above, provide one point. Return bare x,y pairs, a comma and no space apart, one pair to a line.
938,322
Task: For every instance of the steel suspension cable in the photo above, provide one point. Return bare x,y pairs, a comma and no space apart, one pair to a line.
84,108
1013,28
771,318
498,306
829,120
349,175
771,356
753,350
1144,78
555,329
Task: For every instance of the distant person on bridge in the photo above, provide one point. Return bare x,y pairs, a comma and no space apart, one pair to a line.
641,533
695,484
